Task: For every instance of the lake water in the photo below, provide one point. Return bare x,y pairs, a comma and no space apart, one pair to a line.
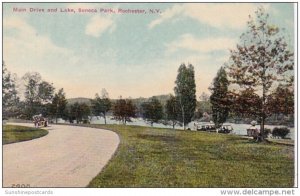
239,129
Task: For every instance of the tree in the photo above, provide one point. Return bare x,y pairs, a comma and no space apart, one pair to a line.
185,93
262,61
100,106
246,103
38,94
32,101
10,98
220,104
152,111
79,112
45,92
59,105
172,110
123,110
204,97
281,100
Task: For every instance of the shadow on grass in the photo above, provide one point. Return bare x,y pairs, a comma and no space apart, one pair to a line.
166,138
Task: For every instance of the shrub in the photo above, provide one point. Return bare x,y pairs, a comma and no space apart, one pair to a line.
85,121
280,132
266,132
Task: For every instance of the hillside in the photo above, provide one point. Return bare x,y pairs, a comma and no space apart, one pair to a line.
137,101
79,100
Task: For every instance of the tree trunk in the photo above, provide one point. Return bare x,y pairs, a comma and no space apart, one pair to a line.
56,118
183,117
263,115
262,129
262,125
104,117
56,114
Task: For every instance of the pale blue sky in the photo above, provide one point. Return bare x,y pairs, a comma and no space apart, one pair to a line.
128,54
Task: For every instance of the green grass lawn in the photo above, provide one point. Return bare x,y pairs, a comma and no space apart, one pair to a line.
152,157
13,133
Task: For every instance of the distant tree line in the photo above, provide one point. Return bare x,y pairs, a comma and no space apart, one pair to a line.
40,97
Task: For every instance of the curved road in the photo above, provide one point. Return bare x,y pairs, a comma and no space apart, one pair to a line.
68,156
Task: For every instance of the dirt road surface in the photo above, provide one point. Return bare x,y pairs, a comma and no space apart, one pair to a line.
68,156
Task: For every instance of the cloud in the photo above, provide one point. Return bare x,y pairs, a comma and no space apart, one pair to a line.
25,50
229,15
168,14
205,45
26,39
98,25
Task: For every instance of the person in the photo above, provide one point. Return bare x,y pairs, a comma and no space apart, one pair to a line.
35,121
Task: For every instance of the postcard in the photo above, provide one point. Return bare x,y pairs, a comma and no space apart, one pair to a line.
149,95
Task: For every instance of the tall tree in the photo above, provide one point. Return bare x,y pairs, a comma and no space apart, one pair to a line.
185,93
262,61
220,103
101,105
38,94
45,92
152,111
172,110
32,101
59,105
10,98
124,110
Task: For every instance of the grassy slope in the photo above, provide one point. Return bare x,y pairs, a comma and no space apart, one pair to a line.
13,133
149,157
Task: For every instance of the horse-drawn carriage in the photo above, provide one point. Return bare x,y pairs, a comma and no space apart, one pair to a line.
211,127
225,128
39,120
205,126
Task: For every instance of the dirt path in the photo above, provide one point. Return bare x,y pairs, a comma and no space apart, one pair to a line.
67,157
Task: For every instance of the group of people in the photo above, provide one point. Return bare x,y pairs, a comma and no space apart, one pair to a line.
39,120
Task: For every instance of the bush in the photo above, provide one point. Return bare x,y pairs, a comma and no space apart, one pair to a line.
85,121
280,132
266,132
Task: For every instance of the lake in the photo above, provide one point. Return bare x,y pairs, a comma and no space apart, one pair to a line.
239,129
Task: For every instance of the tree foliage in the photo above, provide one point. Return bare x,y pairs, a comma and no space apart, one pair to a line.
101,105
247,104
59,105
10,98
185,93
152,111
38,94
172,110
262,61
79,112
281,101
204,97
220,103
124,110
45,92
